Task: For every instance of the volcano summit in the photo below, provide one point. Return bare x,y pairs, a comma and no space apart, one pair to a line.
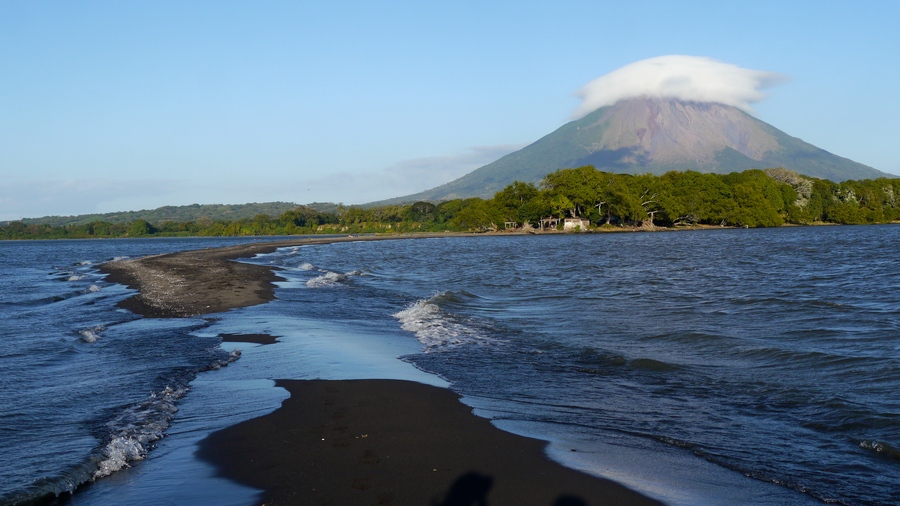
655,135
657,115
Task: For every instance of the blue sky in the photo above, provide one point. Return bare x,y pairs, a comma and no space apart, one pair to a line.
112,106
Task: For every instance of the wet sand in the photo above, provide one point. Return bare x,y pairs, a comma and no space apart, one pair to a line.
384,442
391,442
192,283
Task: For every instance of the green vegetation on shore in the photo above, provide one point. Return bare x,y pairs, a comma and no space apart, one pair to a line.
753,198
214,212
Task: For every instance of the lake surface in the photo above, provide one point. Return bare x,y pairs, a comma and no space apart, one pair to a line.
708,367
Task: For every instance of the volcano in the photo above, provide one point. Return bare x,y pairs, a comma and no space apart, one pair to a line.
654,135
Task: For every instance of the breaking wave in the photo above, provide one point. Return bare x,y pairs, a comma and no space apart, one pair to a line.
92,334
331,279
134,432
328,279
81,271
130,436
436,328
223,362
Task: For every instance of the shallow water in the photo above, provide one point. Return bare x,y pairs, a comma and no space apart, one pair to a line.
88,388
678,363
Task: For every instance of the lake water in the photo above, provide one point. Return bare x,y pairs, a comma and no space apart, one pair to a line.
708,367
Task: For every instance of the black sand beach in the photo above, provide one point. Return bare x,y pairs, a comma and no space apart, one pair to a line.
354,442
394,442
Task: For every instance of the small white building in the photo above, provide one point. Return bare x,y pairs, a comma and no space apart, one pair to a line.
570,224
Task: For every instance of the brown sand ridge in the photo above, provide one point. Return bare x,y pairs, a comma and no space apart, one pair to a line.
191,283
379,442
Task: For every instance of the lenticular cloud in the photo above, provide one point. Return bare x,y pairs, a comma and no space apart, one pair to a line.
688,78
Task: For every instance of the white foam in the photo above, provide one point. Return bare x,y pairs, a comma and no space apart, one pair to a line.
92,289
328,279
136,429
85,262
92,334
89,336
77,277
435,328
331,279
119,452
306,266
218,364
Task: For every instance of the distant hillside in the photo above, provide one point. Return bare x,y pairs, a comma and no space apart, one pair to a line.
193,212
325,207
644,135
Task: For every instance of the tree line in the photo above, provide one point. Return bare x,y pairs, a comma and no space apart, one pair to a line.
215,212
753,198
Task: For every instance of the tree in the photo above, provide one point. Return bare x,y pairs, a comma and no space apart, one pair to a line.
561,205
139,228
448,210
476,214
582,186
519,202
425,212
625,200
356,215
691,197
753,209
802,185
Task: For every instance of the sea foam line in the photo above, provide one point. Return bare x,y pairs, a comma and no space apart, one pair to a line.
137,428
134,431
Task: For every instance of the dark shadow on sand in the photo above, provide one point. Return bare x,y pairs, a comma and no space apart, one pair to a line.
249,338
470,489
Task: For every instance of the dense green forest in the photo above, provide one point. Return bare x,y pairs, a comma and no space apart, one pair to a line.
753,198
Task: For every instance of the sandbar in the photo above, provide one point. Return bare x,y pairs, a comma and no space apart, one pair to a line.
200,282
384,442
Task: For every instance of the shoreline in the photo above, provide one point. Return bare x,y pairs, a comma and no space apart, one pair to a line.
386,441
199,282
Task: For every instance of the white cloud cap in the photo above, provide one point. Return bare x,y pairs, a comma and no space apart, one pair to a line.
688,78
